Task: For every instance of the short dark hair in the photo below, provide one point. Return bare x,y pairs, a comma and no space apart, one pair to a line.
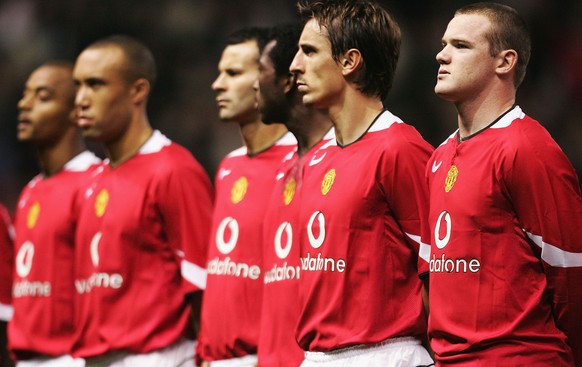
365,26
258,34
509,31
286,37
140,60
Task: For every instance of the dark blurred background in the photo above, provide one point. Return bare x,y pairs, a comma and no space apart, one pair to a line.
187,37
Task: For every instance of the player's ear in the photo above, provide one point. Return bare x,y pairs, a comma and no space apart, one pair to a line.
351,61
506,62
140,90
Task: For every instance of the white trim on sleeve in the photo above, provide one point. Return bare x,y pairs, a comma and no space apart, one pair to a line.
6,312
554,255
194,274
424,250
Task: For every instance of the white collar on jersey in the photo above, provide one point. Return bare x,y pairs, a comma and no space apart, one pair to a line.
155,143
384,121
81,162
285,140
505,121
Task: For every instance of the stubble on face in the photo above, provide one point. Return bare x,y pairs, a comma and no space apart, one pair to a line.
238,71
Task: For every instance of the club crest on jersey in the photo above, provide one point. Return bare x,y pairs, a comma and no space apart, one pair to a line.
451,178
33,214
327,182
101,201
289,191
239,190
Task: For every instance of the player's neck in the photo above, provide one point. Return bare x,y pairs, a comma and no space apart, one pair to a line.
129,144
52,159
475,115
258,136
473,120
308,126
354,116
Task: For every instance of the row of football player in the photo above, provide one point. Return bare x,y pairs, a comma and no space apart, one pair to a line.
324,242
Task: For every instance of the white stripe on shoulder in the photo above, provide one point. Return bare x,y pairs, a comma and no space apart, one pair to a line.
238,152
330,134
449,137
287,139
424,250
6,312
514,114
555,256
384,121
155,143
193,273
82,161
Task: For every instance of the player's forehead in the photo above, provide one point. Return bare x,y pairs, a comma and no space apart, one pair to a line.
240,56
472,27
49,78
100,62
314,34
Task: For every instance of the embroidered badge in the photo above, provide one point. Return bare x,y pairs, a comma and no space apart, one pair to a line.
289,191
451,178
101,201
327,182
239,190
33,214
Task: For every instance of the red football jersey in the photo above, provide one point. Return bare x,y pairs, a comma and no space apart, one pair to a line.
232,301
142,242
43,292
361,211
281,267
506,261
6,263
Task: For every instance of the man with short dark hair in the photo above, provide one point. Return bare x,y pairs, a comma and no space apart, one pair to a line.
42,329
279,100
143,230
505,210
244,181
364,197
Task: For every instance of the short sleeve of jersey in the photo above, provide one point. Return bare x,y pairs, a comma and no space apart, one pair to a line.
6,261
185,200
407,191
546,195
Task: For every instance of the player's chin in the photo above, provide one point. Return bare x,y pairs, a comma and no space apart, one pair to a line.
91,134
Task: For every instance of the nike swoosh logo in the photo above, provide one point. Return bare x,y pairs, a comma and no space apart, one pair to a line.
435,166
315,161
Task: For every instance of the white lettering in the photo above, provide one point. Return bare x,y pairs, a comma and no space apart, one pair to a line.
322,264
280,273
99,280
25,288
228,267
458,265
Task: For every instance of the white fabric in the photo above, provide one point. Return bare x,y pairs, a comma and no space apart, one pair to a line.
6,312
180,354
554,255
62,361
398,352
246,361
